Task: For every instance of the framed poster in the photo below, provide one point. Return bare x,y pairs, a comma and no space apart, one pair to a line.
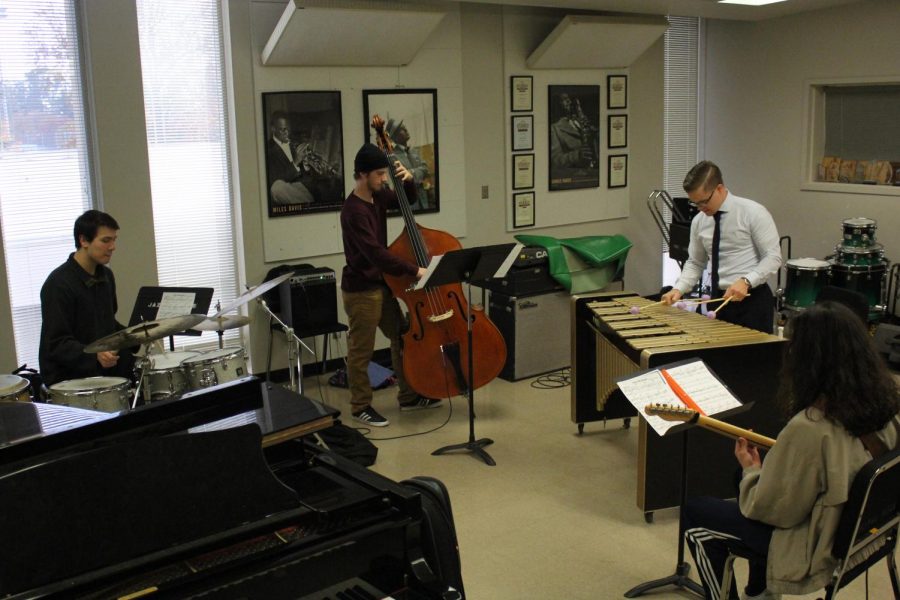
304,152
520,93
523,209
574,117
617,131
522,132
523,171
616,91
411,119
618,171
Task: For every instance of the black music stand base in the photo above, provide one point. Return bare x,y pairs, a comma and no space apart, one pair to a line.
678,579
474,446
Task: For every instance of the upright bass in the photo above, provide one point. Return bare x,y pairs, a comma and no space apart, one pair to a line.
435,347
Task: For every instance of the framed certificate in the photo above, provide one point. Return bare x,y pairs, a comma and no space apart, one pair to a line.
523,171
616,91
520,93
617,131
523,209
522,132
618,171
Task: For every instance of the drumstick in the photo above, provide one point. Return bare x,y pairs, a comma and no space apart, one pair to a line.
712,314
636,309
706,301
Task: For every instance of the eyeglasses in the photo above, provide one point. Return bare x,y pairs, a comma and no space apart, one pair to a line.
703,203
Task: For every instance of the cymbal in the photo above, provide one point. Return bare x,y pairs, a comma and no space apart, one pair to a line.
253,293
222,323
143,333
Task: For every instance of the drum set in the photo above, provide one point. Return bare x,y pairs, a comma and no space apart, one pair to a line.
160,374
858,264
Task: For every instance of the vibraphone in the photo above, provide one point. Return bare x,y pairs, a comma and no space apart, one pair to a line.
609,342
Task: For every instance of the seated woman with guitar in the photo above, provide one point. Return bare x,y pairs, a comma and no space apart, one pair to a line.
843,406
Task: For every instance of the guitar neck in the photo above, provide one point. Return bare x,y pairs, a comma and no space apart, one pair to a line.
729,430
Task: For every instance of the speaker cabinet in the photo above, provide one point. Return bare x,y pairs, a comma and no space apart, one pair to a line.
309,301
536,330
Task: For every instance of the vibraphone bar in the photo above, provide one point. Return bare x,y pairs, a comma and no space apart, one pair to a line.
609,341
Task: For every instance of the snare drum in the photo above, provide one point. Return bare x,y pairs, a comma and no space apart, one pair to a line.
865,279
14,389
859,232
855,255
805,279
163,376
215,367
105,394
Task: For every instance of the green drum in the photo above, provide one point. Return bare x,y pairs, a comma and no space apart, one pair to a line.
865,279
854,255
859,232
805,279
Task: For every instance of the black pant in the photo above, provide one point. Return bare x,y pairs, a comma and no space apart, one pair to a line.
756,311
713,527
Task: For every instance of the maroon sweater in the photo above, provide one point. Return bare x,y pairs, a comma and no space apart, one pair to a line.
364,229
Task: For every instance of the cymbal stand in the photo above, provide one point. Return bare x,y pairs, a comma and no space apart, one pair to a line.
295,349
220,332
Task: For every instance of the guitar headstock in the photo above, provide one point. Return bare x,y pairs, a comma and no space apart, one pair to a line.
670,412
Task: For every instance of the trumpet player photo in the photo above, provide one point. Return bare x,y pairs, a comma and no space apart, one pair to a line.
574,136
304,152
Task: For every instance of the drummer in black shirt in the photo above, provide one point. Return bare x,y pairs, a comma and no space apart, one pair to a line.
78,306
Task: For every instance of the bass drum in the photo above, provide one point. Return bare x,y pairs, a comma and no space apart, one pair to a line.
215,367
14,389
104,394
865,279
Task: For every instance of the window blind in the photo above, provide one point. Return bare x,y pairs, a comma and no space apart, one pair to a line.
182,60
44,160
680,115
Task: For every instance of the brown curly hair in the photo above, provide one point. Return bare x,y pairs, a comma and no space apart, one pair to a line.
830,362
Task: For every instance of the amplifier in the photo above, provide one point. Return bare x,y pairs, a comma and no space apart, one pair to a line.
536,330
309,301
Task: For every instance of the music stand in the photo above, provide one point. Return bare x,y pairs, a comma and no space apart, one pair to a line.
467,266
149,299
681,578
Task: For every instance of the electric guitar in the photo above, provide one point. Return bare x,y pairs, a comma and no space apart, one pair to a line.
677,413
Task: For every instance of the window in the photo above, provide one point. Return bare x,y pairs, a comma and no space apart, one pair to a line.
187,138
44,168
681,114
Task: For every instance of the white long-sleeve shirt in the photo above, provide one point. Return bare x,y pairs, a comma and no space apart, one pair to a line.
748,245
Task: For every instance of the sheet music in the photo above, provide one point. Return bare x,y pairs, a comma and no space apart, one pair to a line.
508,261
694,377
175,304
704,387
429,271
650,388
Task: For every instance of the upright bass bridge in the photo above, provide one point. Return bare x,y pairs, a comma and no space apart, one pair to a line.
441,317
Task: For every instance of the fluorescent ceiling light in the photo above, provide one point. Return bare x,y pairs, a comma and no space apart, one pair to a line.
750,2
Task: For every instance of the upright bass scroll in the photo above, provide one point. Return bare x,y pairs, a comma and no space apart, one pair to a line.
436,345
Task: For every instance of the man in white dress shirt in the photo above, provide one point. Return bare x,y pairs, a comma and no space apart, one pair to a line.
748,250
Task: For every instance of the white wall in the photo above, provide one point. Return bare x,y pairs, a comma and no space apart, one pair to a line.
755,82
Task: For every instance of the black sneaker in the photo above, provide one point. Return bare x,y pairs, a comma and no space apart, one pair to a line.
421,402
370,416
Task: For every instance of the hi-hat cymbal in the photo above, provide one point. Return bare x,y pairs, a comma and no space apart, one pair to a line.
253,293
143,333
222,323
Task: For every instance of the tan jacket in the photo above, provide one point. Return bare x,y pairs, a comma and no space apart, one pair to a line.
801,490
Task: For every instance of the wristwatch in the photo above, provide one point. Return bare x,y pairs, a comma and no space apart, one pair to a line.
749,285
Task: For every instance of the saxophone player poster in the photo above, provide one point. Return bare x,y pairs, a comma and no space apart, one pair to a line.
411,119
304,152
574,136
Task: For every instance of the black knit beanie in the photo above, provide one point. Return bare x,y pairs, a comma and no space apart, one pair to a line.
370,158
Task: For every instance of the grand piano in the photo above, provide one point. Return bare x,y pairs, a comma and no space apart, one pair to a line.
215,495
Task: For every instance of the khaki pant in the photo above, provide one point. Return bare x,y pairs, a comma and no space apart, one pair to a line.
367,311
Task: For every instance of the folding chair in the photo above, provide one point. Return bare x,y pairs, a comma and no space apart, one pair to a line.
867,530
